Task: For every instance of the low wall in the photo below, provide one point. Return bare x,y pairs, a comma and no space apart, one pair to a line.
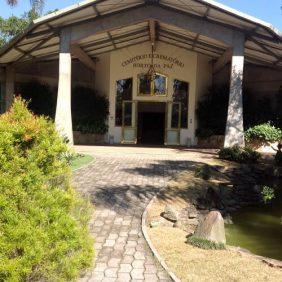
212,142
88,138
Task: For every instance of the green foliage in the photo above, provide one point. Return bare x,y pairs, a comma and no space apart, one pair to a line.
203,172
237,154
212,112
264,133
267,194
204,243
13,25
89,111
95,127
41,99
43,222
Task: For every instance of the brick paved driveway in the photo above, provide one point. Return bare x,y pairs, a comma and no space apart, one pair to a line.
121,182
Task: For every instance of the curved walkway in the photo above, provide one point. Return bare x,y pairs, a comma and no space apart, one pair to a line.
120,183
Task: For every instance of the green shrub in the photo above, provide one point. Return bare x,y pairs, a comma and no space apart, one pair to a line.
42,101
204,243
43,222
89,111
267,194
212,112
237,154
264,133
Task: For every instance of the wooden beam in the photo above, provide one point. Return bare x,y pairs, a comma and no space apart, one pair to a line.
152,28
42,42
83,57
270,52
165,15
222,61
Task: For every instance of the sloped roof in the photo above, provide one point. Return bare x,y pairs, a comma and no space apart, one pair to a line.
41,39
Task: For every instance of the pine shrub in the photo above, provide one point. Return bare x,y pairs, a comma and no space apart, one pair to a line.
43,222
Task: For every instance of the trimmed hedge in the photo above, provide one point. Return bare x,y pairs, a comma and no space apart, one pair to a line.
43,222
263,132
240,155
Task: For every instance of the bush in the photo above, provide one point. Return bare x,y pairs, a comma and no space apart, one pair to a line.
264,133
212,112
89,111
237,154
204,243
44,234
42,101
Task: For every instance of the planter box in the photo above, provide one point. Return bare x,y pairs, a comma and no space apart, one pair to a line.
212,142
88,138
263,147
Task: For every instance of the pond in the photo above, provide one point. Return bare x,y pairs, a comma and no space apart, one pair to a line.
258,229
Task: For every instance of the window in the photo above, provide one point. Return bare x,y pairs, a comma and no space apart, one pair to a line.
156,87
124,93
160,85
180,94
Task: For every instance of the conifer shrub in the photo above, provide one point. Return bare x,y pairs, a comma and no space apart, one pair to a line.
43,222
240,155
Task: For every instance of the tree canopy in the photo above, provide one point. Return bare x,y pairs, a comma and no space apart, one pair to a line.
13,25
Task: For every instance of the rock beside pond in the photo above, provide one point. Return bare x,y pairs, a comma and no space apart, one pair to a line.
170,213
212,228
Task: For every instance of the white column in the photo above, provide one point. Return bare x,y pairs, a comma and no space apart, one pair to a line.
9,87
234,133
63,117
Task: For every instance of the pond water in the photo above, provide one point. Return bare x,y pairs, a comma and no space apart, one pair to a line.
258,229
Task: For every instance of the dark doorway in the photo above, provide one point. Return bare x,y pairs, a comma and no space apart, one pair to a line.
151,123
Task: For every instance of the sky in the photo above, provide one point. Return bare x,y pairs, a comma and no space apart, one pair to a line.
267,10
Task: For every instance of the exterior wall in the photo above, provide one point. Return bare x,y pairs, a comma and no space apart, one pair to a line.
185,70
102,75
48,72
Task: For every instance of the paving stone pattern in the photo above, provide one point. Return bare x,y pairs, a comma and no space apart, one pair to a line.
120,187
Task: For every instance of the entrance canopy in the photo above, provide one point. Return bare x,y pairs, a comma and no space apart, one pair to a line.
102,26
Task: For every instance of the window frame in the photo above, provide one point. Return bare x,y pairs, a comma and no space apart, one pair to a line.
152,86
132,81
188,92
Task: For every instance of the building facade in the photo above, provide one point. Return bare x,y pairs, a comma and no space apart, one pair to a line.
153,60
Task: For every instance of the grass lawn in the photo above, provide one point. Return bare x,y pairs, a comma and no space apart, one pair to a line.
193,264
81,161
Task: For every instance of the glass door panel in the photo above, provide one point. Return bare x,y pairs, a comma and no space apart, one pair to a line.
129,122
173,114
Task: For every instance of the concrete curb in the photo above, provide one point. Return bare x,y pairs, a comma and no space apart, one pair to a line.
149,242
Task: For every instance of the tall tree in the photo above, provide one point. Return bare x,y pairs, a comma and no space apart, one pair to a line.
36,5
13,25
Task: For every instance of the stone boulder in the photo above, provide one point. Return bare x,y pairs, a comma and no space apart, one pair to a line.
170,213
212,228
